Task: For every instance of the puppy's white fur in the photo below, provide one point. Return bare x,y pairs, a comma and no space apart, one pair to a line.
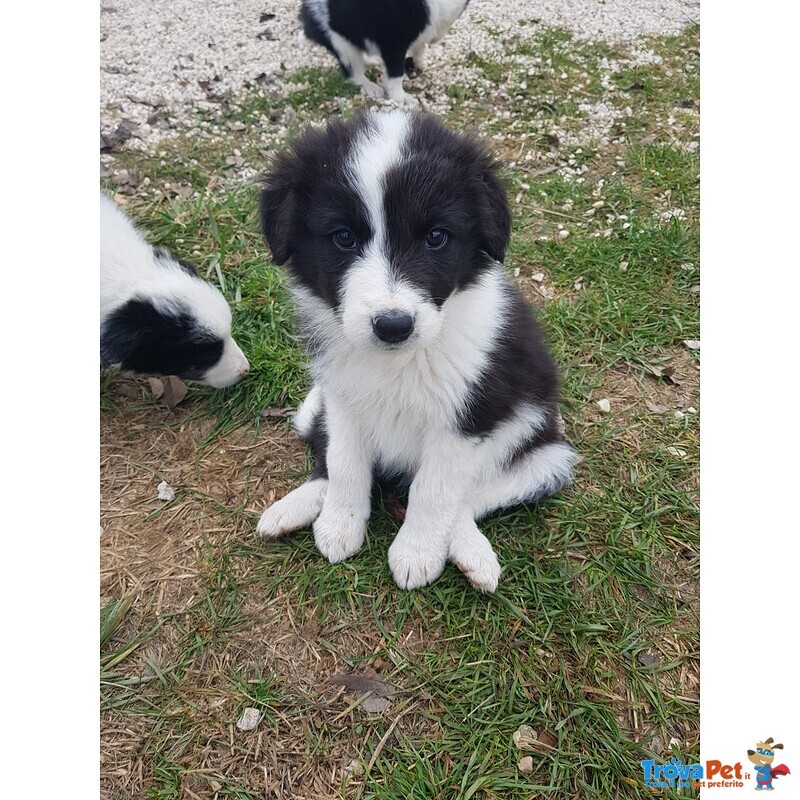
441,14
398,407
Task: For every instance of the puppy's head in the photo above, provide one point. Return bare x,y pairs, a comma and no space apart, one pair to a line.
180,326
381,219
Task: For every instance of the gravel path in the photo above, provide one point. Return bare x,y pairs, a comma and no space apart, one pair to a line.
157,52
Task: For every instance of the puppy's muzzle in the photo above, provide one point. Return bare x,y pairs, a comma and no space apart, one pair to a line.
393,326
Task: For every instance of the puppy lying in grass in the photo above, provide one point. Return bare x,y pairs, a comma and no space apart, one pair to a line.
157,315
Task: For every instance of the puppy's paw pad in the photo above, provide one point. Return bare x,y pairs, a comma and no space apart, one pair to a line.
339,535
412,567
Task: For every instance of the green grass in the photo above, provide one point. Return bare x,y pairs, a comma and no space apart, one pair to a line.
318,87
593,578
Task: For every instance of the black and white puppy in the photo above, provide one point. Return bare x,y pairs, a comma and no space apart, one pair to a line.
157,315
389,29
426,360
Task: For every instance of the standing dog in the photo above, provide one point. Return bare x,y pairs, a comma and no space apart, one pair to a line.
156,314
354,29
426,360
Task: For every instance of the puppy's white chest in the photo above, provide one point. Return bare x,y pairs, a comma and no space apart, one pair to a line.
400,408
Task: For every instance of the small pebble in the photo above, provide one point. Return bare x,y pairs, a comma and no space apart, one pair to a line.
525,765
604,405
525,737
165,491
355,769
563,234
249,719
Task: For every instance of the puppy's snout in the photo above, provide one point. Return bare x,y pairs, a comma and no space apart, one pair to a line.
244,370
393,326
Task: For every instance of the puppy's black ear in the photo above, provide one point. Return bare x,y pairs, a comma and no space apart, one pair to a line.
495,218
277,209
121,333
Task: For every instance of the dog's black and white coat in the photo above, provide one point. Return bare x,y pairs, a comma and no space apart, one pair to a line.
425,358
157,315
389,29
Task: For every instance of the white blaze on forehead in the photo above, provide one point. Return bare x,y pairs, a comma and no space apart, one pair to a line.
378,149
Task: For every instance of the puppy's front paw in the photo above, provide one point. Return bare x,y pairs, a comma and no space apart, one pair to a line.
472,553
414,562
296,510
339,533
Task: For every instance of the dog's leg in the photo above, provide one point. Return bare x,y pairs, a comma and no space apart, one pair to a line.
419,552
472,553
394,63
354,66
419,56
541,473
339,529
296,510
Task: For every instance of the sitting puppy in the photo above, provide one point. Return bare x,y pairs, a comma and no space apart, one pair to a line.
354,29
426,360
156,314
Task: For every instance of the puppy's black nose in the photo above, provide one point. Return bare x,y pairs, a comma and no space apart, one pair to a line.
393,326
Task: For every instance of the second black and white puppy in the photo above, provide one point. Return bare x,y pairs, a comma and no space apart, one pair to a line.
157,315
426,360
390,29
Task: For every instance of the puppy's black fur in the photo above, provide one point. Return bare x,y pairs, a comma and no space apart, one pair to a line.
142,338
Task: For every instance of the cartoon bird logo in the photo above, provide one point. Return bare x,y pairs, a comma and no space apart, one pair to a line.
762,757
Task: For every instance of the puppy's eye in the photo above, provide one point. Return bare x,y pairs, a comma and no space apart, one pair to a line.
344,239
436,239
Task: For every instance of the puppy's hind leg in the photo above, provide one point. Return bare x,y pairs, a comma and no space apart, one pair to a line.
296,510
541,473
418,58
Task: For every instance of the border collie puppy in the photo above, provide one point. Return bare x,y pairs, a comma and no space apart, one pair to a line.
156,314
427,362
354,29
